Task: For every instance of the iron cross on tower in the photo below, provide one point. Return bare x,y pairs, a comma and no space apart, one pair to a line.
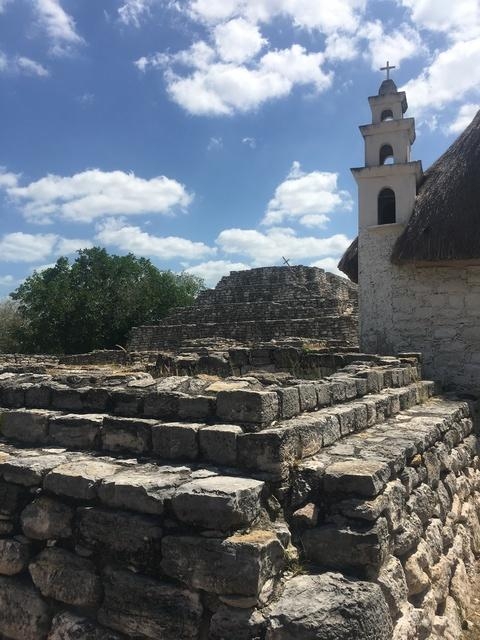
387,69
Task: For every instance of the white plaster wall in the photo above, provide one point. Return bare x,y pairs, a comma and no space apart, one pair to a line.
434,310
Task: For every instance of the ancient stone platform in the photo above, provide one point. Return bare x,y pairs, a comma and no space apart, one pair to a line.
259,305
260,506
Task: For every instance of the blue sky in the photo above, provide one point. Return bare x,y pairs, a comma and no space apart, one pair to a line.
210,135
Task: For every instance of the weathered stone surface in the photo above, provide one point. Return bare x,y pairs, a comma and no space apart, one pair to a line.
75,431
133,538
356,477
127,434
23,613
176,440
67,626
146,608
46,519
329,607
64,576
308,396
238,624
307,516
218,443
14,556
391,579
272,450
30,470
79,479
344,547
67,399
196,407
218,502
143,489
239,565
257,407
25,426
289,401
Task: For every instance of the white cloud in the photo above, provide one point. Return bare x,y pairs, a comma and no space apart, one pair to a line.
268,248
59,25
324,16
307,197
402,43
129,238
94,193
219,88
20,65
132,12
213,270
459,19
8,179
250,142
214,143
451,76
329,264
238,40
465,115
31,247
3,5
7,281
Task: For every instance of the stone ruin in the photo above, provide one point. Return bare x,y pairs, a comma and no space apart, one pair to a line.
261,304
287,490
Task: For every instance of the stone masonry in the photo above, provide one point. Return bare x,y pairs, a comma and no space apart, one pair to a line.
259,305
254,507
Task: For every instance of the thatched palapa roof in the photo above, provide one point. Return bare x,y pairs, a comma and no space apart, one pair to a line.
445,223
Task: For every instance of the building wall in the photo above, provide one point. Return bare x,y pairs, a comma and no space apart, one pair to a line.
434,310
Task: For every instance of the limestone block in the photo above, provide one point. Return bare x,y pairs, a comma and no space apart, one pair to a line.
14,556
440,575
142,488
161,405
257,407
362,548
289,401
241,624
12,498
272,450
75,431
346,418
23,613
239,565
176,440
128,403
395,495
308,396
96,400
67,399
418,580
121,535
29,426
460,587
356,477
145,608
391,579
307,516
434,539
422,502
131,435
218,443
218,502
68,626
408,536
64,576
79,479
46,519
360,509
327,606
324,394
38,396
30,471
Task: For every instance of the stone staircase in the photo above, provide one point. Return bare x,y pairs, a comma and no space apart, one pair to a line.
339,508
258,305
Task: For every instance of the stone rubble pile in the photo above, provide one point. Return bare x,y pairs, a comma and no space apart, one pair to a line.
246,508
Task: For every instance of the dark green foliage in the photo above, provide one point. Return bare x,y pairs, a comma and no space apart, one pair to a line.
94,302
11,324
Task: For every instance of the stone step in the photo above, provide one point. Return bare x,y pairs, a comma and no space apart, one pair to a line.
271,450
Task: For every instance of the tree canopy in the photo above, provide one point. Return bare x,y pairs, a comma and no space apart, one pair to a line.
94,302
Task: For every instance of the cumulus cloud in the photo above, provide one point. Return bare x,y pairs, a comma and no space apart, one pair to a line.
459,19
329,264
31,247
7,281
268,248
117,233
250,142
465,115
214,87
212,270
132,11
21,65
94,193
59,26
451,76
238,40
307,198
402,43
8,179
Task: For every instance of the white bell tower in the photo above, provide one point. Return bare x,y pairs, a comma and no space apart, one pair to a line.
387,188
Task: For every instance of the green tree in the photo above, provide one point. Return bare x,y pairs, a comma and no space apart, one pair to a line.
94,302
11,322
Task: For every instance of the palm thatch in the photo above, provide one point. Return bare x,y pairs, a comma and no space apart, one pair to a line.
445,224
349,262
